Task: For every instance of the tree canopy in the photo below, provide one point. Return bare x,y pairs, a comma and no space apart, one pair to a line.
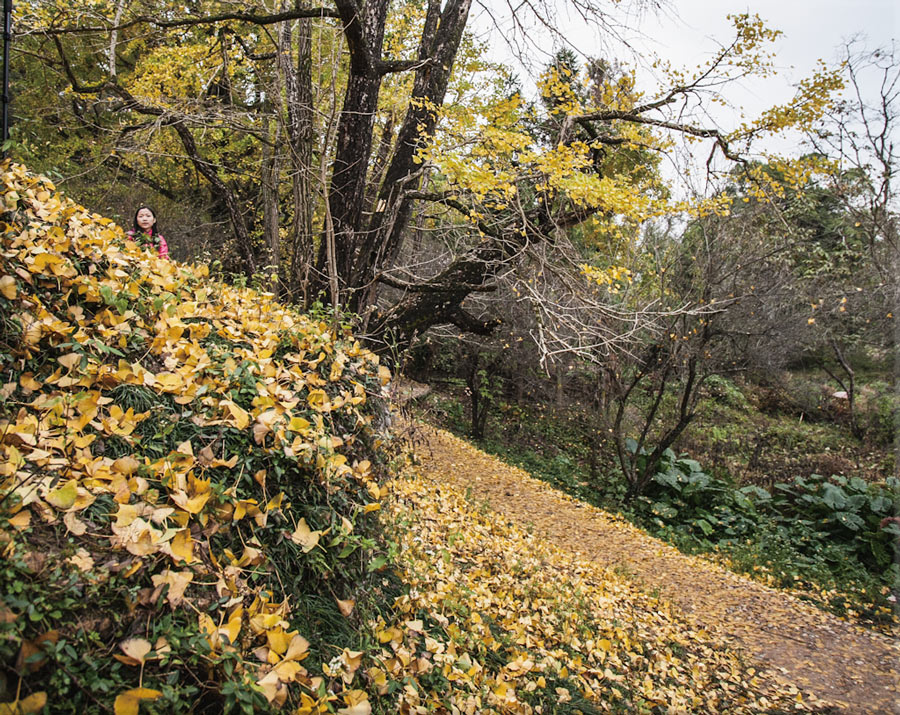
369,155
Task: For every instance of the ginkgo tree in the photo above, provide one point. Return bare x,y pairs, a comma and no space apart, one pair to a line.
334,138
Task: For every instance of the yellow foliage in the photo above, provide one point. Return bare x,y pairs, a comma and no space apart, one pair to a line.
79,293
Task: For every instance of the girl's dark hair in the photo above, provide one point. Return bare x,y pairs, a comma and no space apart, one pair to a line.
138,229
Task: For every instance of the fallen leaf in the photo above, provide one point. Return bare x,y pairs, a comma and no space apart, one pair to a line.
129,702
34,703
272,687
304,537
298,648
177,582
63,497
346,607
318,400
182,547
357,703
8,287
74,525
31,656
81,560
135,650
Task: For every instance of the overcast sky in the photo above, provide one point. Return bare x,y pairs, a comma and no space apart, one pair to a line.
813,30
688,32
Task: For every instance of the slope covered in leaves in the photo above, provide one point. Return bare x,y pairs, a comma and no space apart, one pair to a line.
187,520
790,649
509,623
186,487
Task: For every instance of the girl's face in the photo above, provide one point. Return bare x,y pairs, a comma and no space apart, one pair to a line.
145,219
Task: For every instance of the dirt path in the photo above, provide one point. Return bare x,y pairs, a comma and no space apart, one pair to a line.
845,665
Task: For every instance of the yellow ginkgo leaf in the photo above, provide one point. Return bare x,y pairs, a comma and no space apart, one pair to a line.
81,560
135,650
278,640
192,505
298,424
304,537
233,628
272,687
69,361
346,607
27,381
83,500
126,465
177,581
182,546
75,526
352,659
126,514
22,520
239,416
288,670
34,703
129,702
318,400
298,648
357,703
63,497
8,287
169,381
275,502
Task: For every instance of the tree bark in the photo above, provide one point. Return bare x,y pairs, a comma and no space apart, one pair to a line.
364,31
297,81
441,37
271,171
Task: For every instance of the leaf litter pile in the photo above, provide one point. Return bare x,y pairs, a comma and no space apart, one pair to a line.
191,519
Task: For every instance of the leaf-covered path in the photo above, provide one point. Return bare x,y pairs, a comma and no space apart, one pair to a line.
853,669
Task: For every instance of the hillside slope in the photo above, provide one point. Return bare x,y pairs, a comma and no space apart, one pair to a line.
185,473
190,520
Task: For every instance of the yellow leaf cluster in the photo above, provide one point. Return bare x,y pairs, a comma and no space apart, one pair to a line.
94,318
613,278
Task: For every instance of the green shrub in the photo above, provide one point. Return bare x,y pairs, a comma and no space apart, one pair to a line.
725,391
833,534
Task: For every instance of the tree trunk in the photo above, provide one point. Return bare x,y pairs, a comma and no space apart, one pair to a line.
441,37
271,170
364,30
299,112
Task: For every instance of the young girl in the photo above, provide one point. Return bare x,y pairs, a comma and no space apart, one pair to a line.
146,231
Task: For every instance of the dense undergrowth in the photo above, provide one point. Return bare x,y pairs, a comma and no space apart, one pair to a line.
830,540
187,497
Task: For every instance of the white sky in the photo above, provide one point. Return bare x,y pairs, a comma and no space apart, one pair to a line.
813,30
688,32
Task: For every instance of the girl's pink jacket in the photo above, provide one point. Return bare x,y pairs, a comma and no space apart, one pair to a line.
163,246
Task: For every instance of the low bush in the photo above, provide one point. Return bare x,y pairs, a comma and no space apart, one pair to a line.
833,536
